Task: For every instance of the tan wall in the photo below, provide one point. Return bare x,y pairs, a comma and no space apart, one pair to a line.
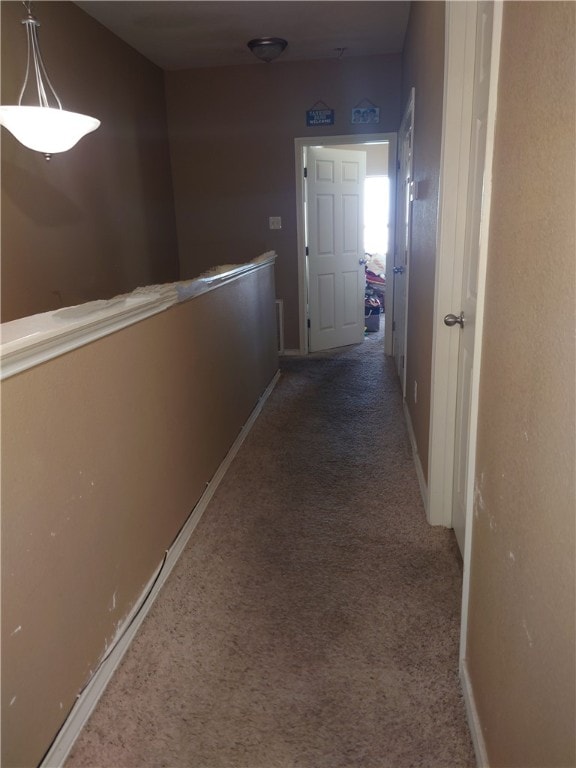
97,220
105,451
423,69
232,133
521,643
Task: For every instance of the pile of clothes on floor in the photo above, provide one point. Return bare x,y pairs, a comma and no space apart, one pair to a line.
374,292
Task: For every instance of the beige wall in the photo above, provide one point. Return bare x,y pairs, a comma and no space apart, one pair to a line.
97,220
105,451
232,133
423,69
521,643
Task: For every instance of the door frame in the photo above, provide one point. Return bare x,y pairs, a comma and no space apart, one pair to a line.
300,146
454,168
407,121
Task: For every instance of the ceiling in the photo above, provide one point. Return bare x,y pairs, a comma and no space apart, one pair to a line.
209,33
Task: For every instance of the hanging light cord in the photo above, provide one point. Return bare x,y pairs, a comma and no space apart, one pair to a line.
34,56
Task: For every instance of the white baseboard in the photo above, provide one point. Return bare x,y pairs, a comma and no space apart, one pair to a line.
417,462
473,718
88,699
289,352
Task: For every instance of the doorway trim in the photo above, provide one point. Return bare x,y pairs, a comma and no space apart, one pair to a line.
406,126
300,145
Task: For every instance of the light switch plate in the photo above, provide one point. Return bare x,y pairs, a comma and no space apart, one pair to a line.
275,222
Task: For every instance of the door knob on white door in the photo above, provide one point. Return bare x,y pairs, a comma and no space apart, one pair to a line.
451,320
399,270
362,261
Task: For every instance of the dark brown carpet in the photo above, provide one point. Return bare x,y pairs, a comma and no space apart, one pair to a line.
312,621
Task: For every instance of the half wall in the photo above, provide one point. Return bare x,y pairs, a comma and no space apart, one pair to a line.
106,450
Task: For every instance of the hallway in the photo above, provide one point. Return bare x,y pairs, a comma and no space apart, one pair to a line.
313,619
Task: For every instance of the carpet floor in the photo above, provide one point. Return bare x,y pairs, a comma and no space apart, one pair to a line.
313,618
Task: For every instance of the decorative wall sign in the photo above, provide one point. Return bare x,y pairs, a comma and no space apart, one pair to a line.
366,112
320,114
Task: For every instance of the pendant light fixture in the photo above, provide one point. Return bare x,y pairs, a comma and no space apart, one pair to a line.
267,48
43,128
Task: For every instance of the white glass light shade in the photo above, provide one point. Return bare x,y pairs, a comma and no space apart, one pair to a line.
46,129
267,48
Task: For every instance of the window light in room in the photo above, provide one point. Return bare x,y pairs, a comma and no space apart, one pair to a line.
43,128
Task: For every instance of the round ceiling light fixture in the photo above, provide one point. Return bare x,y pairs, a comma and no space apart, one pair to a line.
267,48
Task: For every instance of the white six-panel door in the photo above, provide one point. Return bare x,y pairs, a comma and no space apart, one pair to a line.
475,211
335,240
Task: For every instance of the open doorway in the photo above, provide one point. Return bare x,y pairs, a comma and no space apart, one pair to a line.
377,244
377,217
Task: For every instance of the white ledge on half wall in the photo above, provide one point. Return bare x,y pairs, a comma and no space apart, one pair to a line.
32,340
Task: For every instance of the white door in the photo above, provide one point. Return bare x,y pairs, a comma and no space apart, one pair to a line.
335,242
402,247
465,321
